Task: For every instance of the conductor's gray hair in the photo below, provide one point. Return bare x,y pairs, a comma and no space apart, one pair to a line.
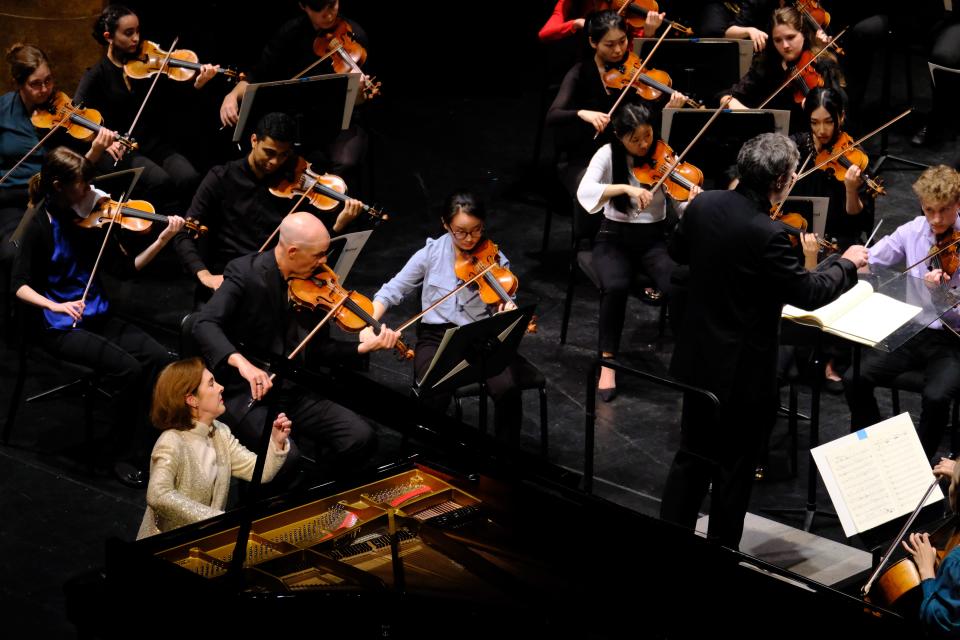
767,161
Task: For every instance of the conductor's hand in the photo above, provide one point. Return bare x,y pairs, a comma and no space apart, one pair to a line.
281,431
857,254
369,341
351,209
259,379
924,555
944,468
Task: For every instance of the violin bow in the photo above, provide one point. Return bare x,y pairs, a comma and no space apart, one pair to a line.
932,255
643,65
40,143
163,66
316,62
441,300
793,183
903,531
679,158
856,143
273,235
797,72
103,245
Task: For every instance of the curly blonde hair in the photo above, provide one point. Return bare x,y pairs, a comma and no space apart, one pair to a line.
939,184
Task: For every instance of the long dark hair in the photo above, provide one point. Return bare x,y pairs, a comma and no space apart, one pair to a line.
463,201
62,166
830,99
600,22
108,20
627,118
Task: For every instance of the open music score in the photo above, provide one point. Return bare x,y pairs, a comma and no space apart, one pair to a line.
328,542
876,474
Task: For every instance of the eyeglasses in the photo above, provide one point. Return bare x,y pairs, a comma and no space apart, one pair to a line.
463,235
40,84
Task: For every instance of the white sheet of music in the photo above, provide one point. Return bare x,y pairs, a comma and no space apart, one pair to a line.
876,474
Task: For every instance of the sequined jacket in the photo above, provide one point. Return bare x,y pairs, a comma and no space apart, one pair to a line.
179,492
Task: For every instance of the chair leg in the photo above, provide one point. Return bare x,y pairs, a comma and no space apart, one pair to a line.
16,397
547,224
792,425
568,301
544,431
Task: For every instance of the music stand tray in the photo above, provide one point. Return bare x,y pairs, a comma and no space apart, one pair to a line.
321,105
473,353
699,67
718,148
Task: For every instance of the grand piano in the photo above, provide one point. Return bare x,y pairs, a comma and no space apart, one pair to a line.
451,539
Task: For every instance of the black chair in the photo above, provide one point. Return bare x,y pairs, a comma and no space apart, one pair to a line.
913,381
84,384
582,260
529,378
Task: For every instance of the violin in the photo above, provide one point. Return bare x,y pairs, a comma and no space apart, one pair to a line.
807,79
946,252
650,85
322,289
323,191
795,224
497,285
852,156
635,12
340,42
82,124
183,64
133,215
816,18
679,182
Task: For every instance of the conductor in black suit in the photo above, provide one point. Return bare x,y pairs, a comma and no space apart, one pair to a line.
249,321
742,271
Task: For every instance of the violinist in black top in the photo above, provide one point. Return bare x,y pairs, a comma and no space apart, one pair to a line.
52,267
169,177
789,47
235,203
288,53
579,111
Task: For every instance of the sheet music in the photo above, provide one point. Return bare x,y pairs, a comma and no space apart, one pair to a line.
876,474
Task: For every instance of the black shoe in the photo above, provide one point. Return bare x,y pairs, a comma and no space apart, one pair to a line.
607,394
919,139
129,475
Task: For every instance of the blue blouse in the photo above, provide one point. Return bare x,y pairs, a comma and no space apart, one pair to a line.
433,268
17,136
67,281
940,608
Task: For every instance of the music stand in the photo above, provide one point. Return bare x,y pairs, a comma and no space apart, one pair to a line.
699,67
884,156
718,148
344,250
321,105
474,352
812,208
118,182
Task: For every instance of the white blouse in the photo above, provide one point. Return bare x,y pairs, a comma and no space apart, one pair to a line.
599,175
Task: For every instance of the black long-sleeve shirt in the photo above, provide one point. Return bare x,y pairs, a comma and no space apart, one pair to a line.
290,51
239,211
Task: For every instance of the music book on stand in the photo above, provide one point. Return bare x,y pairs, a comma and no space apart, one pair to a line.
876,474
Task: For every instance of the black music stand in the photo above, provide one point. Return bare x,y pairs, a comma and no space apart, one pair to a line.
118,183
321,105
884,156
474,352
699,67
717,149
